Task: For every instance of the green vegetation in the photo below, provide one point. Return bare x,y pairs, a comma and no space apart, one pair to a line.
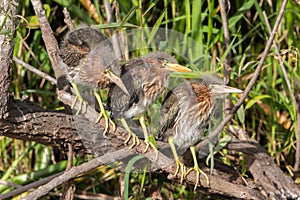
268,115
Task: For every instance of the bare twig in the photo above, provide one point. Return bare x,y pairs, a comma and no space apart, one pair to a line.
69,186
50,42
227,61
9,184
219,128
52,48
290,90
36,71
75,171
115,40
28,49
22,189
68,19
281,63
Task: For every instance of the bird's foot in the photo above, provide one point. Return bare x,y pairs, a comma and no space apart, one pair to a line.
135,140
107,119
104,114
81,102
149,143
180,165
198,172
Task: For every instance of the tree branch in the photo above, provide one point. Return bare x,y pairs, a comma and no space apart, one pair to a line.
8,11
36,71
227,61
51,45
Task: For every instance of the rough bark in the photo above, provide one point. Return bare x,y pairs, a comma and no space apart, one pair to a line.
8,11
270,181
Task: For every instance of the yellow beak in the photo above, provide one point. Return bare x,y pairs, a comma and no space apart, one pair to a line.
177,67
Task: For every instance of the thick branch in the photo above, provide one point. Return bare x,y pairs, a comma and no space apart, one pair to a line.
275,184
29,122
8,11
30,119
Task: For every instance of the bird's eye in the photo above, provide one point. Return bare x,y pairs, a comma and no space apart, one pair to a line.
165,62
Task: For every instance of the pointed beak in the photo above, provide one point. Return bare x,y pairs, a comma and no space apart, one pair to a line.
117,80
177,67
224,89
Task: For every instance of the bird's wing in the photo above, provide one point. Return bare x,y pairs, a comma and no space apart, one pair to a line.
118,101
129,65
168,114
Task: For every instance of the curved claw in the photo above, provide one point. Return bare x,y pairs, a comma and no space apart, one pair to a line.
107,120
198,172
180,165
103,114
146,135
196,169
149,143
135,140
113,124
78,97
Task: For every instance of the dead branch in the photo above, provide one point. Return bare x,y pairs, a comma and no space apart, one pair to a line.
8,10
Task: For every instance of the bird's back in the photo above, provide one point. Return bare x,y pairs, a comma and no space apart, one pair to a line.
132,77
145,80
181,115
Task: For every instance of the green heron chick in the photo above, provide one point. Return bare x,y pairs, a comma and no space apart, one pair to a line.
89,57
185,114
146,79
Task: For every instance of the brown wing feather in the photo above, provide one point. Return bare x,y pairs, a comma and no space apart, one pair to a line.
168,114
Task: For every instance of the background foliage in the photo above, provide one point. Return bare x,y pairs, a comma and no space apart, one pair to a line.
268,114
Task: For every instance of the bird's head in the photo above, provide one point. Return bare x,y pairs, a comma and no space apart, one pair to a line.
86,37
165,61
210,87
217,87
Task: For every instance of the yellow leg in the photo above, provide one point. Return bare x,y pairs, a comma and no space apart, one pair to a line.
179,164
78,97
136,140
147,141
196,168
103,114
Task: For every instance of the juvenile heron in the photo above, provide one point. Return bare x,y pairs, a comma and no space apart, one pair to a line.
185,114
89,57
146,79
